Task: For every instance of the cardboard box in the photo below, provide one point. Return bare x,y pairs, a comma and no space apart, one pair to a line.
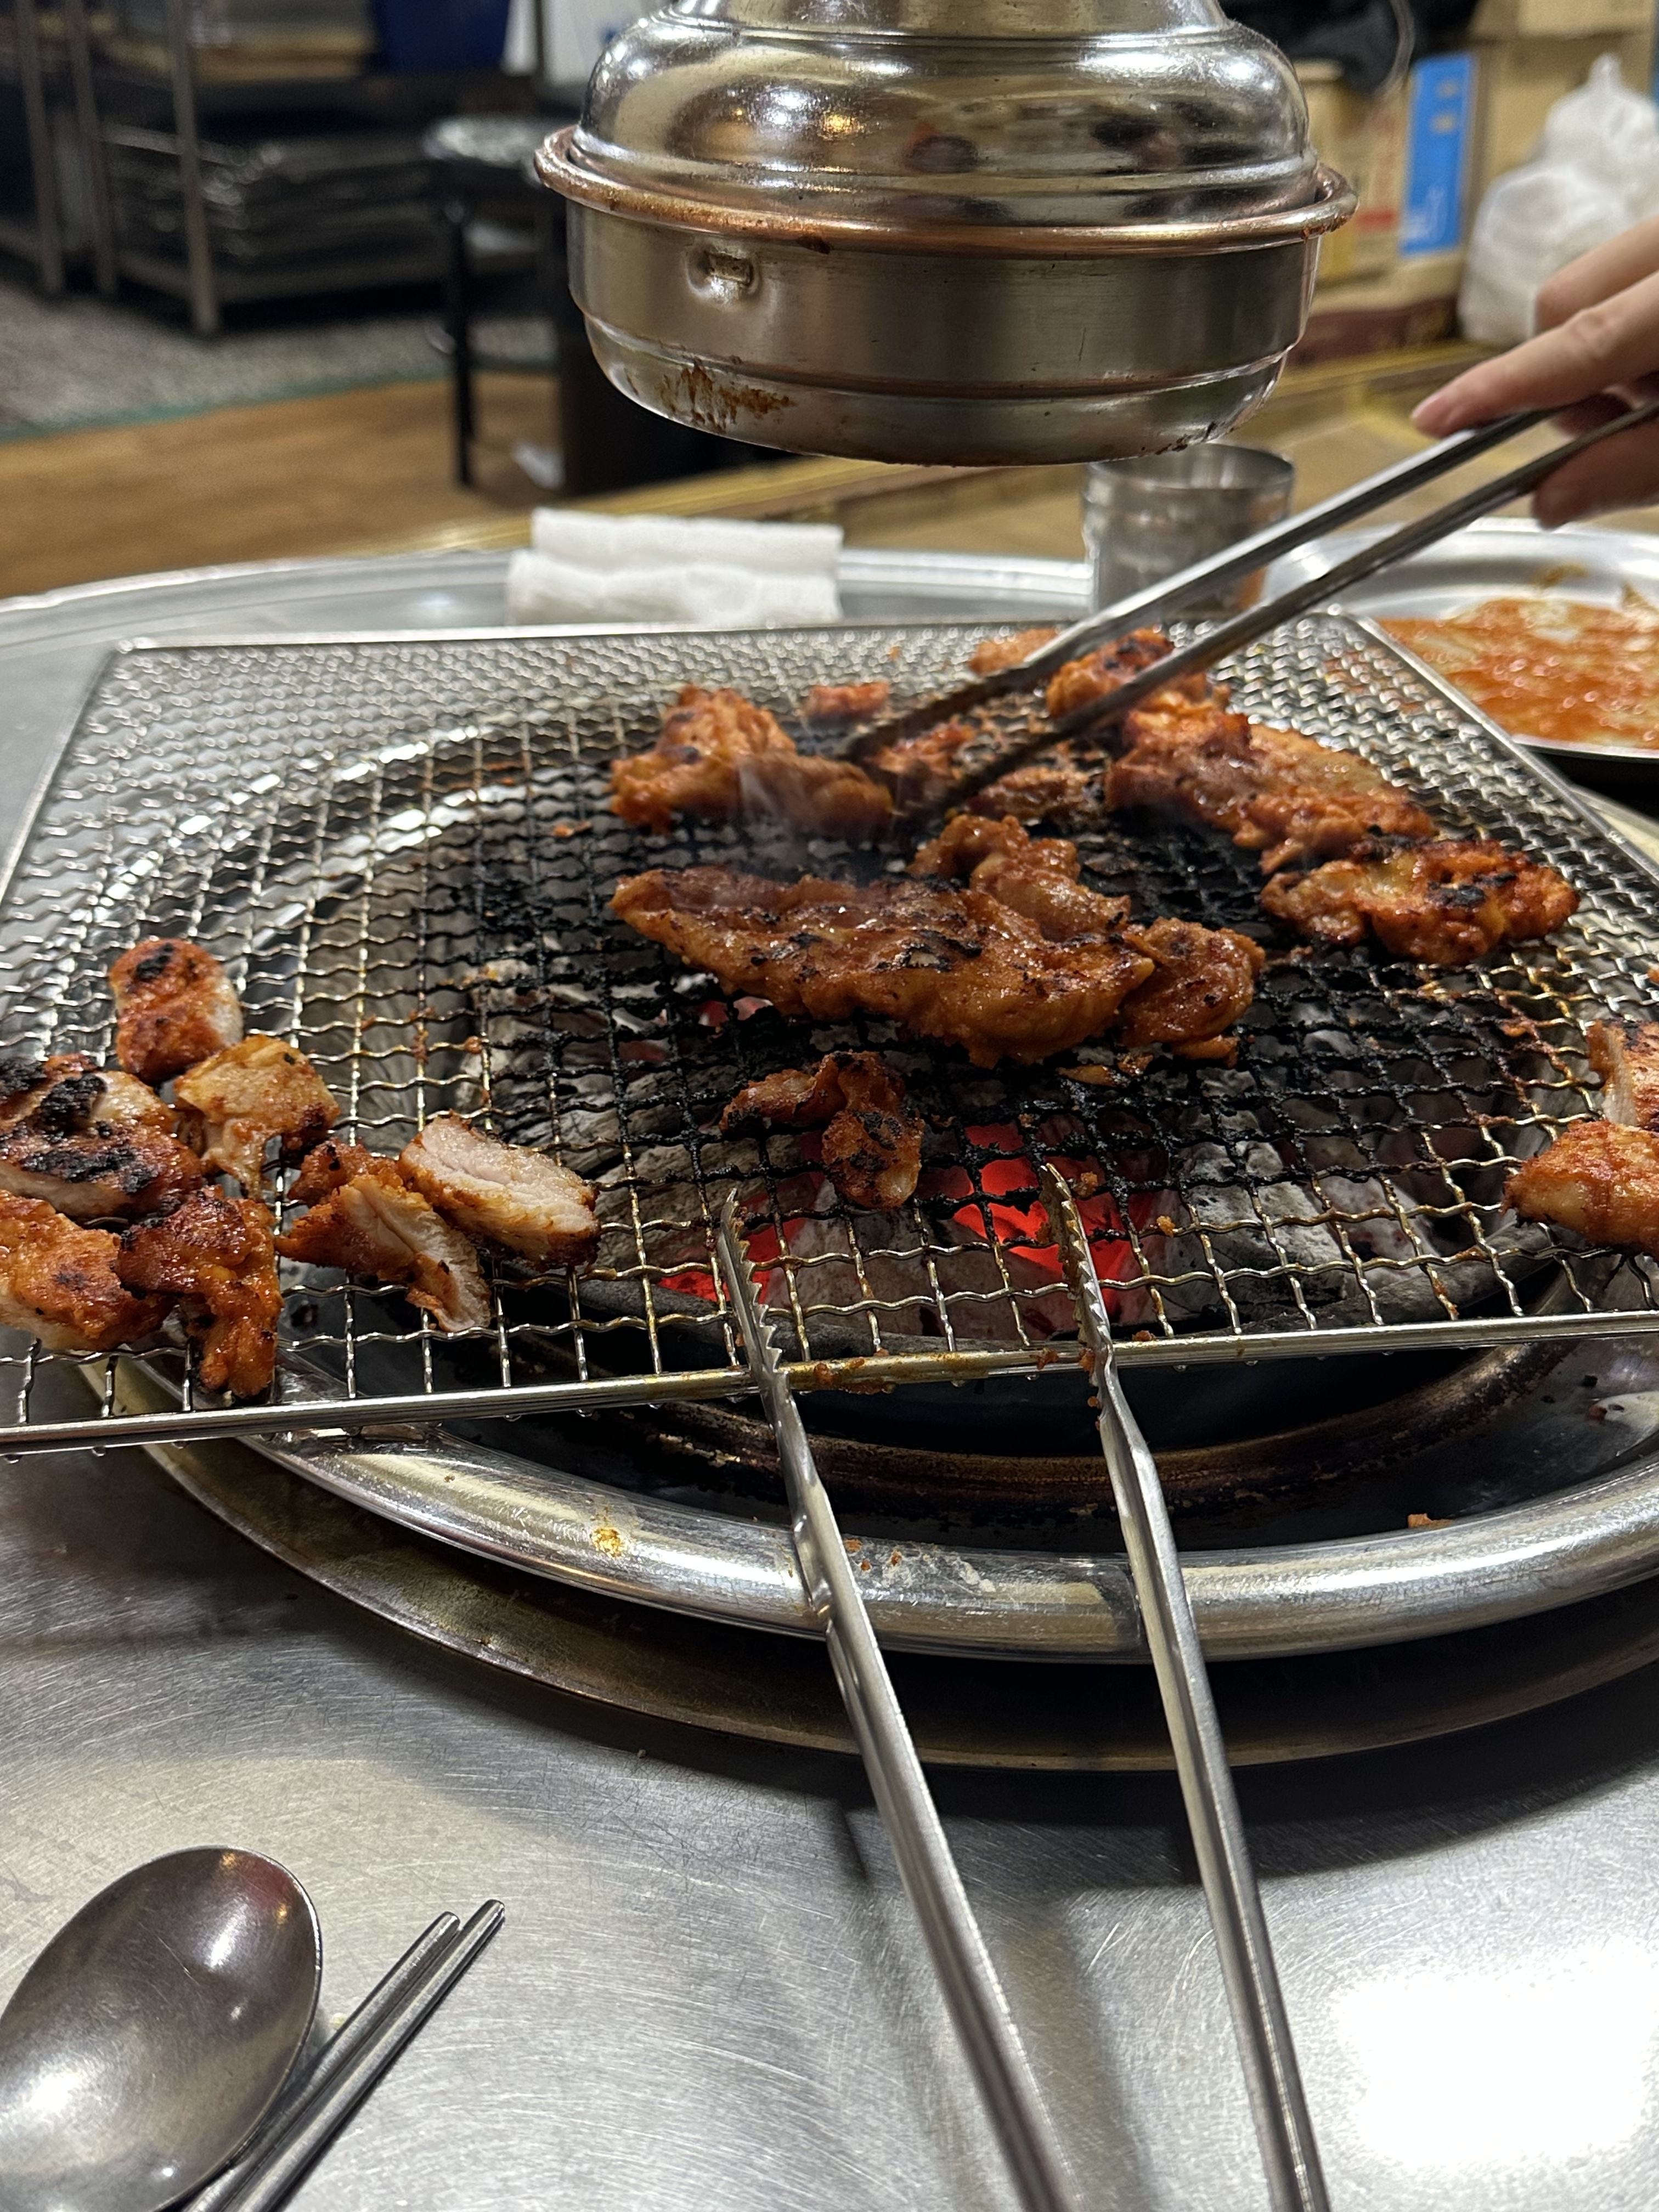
1365,139
1520,80
1415,304
1551,19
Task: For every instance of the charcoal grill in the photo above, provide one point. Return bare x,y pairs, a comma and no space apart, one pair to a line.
401,848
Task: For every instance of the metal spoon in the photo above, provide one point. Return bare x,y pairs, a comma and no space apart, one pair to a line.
148,2040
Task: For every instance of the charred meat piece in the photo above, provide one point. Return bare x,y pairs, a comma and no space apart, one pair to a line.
846,702
242,1098
326,1167
1272,791
68,1094
58,1282
502,1193
871,1139
91,1177
216,1256
1095,676
992,655
1203,980
1065,781
1626,1055
949,963
173,1005
1446,903
722,758
1004,981
1599,1178
373,1224
917,769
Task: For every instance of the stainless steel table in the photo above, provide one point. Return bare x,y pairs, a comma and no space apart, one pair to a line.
709,1992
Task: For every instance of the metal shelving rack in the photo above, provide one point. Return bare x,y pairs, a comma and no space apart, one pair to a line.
51,73
93,90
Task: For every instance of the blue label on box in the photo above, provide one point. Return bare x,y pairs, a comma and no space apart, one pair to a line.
1442,107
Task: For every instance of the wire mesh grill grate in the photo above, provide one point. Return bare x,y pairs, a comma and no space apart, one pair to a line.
402,850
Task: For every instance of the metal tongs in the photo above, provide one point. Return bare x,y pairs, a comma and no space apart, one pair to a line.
978,2006
1161,601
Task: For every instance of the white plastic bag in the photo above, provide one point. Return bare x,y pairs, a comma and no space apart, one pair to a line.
1595,171
1532,222
1610,132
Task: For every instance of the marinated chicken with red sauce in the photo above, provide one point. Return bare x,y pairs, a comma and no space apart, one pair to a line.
1447,902
1066,781
502,1193
872,1138
92,1177
58,1282
992,655
253,1095
1095,676
919,768
846,702
722,758
173,1005
1600,1177
1273,792
370,1223
1021,961
215,1256
1202,980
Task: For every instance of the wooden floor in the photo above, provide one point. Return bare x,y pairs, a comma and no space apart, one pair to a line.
370,471
337,474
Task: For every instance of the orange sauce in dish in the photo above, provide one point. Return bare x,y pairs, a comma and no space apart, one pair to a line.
1551,668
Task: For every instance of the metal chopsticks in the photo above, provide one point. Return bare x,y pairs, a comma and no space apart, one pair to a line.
313,2109
1161,601
1227,637
972,1991
1290,2154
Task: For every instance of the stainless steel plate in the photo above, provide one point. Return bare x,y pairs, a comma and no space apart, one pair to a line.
1510,557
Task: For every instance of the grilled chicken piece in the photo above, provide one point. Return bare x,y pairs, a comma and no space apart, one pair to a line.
68,1094
1599,1178
502,1193
1095,675
1065,781
173,1005
872,1140
216,1256
1204,979
918,769
90,1176
722,758
992,655
1274,791
1446,902
1626,1055
326,1167
58,1282
846,702
1041,965
373,1224
241,1098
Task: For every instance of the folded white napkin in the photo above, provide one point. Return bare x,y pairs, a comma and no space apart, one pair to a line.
663,569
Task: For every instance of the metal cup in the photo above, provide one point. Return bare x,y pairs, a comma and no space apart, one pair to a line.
1147,518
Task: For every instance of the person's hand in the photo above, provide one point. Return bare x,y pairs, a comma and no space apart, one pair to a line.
1597,352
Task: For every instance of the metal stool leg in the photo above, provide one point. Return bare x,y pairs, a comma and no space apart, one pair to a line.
49,236
457,316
